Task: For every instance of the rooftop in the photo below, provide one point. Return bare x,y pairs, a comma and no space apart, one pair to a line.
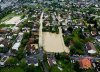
90,47
16,46
85,63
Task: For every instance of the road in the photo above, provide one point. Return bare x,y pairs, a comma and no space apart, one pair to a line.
40,30
66,49
41,44
44,67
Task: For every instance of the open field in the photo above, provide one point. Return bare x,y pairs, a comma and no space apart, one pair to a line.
6,25
9,16
54,43
15,20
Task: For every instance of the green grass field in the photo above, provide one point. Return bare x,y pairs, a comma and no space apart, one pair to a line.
65,65
9,16
6,25
11,69
18,69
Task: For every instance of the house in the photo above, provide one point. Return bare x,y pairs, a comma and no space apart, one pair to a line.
86,34
15,29
90,48
31,48
16,46
34,29
20,36
98,38
4,44
85,63
64,28
51,60
3,60
32,60
35,33
1,38
94,33
97,66
31,41
26,29
9,35
3,31
18,42
35,37
99,32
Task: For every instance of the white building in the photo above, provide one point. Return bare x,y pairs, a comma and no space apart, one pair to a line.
16,46
18,43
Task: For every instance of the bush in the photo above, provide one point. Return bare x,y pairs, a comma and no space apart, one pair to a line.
11,61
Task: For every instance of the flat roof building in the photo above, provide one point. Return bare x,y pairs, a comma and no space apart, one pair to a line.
16,46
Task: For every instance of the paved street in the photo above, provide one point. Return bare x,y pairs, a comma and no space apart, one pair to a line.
41,44
66,49
40,30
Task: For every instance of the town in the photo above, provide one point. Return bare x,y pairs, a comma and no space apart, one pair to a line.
49,35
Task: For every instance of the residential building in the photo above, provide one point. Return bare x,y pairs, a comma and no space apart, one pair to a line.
51,60
3,60
18,42
90,48
85,63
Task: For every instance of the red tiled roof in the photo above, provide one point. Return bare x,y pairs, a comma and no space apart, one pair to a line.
85,63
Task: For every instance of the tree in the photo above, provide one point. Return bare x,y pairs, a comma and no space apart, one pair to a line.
89,27
30,68
46,9
11,61
79,47
5,12
67,40
25,39
20,54
70,29
98,28
23,63
72,50
0,9
76,67
95,24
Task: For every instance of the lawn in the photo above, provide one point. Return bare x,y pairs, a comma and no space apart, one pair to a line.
77,45
64,64
5,25
8,17
38,69
97,47
11,69
55,69
18,69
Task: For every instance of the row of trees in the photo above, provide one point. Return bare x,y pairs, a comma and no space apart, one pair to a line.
5,12
75,41
12,61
